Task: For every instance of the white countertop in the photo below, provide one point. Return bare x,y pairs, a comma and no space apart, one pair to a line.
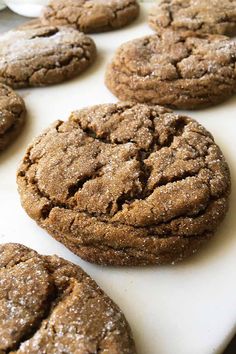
189,308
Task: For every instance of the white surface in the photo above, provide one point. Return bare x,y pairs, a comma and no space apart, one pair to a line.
189,308
29,8
2,5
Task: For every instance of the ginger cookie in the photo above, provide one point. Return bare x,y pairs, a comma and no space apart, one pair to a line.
126,184
49,305
91,15
214,16
43,55
12,115
172,69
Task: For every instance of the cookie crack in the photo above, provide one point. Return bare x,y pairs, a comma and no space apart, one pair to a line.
16,263
125,198
18,119
117,10
56,298
171,14
151,228
58,301
125,71
165,180
30,332
145,171
75,187
129,250
104,137
46,34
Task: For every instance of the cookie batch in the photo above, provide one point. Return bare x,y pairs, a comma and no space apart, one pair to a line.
123,184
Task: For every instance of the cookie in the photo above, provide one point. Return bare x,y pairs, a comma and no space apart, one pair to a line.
126,184
175,70
30,24
204,16
43,55
12,115
91,15
49,305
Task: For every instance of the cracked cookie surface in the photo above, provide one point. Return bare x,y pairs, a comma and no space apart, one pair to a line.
126,184
214,16
43,55
91,15
175,70
12,115
49,305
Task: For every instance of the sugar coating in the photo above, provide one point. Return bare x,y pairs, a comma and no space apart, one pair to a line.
203,16
91,15
43,55
12,115
175,69
49,305
126,183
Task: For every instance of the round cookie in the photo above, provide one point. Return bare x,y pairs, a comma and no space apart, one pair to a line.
49,305
172,69
91,15
214,16
126,184
43,55
12,115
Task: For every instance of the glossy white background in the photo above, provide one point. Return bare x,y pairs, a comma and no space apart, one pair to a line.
189,308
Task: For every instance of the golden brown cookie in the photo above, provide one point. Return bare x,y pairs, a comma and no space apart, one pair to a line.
91,15
126,184
174,69
204,16
49,305
12,115
43,55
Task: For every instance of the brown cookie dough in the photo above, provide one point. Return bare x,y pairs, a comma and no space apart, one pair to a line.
91,15
12,115
174,70
43,56
49,305
205,16
126,184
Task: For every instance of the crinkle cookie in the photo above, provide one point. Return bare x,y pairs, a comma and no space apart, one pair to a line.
12,115
205,16
43,55
49,305
174,69
91,15
126,184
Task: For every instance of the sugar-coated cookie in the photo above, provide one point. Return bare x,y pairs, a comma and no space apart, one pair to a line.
126,184
49,305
